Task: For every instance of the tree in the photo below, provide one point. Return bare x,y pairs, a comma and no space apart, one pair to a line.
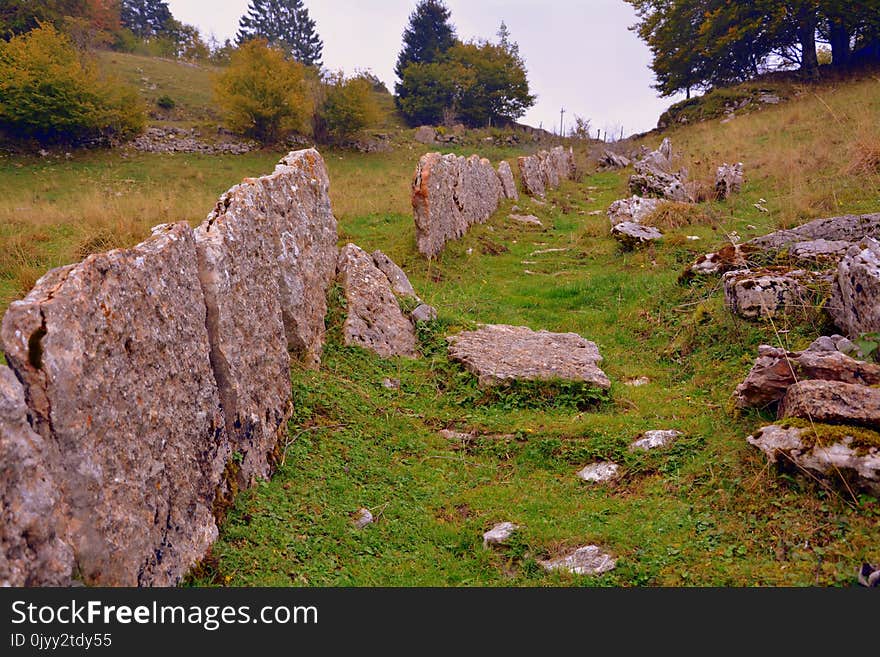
20,16
427,37
262,93
284,24
505,41
349,106
146,18
49,92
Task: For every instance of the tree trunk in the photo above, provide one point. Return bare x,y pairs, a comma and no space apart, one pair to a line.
806,33
841,51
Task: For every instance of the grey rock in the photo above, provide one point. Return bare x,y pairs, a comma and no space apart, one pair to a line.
423,313
833,402
767,293
654,176
632,235
497,354
114,358
499,534
587,560
374,319
545,170
654,439
450,194
776,370
855,295
391,384
363,518
637,382
508,184
599,472
848,228
819,251
838,461
731,256
634,209
398,279
728,180
612,160
528,219
31,551
425,135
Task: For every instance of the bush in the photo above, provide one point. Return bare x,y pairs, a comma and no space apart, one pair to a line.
166,102
50,92
262,94
350,106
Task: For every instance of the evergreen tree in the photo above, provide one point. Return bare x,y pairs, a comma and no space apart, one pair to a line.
428,35
504,40
145,18
284,24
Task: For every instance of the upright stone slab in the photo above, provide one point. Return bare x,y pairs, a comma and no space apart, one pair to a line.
398,279
855,294
374,319
238,257
728,180
113,354
545,170
508,184
532,175
31,551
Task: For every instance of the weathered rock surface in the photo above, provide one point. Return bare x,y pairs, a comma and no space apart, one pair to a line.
828,460
729,257
497,354
374,319
587,560
728,180
425,135
832,401
499,534
819,251
632,235
508,184
362,518
612,160
849,228
423,313
655,439
654,176
114,357
528,219
531,172
599,472
31,551
545,170
179,140
776,370
634,209
766,293
855,295
397,278
450,194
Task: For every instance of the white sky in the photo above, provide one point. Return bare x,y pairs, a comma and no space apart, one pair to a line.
579,53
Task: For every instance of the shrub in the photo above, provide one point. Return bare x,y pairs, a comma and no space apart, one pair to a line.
350,106
166,102
262,94
49,91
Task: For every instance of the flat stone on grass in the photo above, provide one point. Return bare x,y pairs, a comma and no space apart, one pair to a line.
587,560
600,472
499,534
654,439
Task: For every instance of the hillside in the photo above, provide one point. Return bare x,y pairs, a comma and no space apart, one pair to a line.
706,511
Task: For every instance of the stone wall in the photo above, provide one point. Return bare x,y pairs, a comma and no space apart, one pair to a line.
545,170
147,385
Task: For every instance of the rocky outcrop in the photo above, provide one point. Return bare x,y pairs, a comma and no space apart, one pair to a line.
767,293
634,209
31,551
633,236
449,195
114,358
508,184
844,458
776,370
374,319
612,160
545,170
499,354
848,228
833,402
654,176
728,180
855,296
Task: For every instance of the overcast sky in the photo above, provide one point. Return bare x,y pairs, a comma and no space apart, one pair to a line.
579,53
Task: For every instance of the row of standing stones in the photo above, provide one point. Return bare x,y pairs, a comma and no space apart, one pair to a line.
147,386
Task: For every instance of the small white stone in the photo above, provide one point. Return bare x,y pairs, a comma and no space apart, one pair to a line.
499,534
693,238
637,383
599,472
363,518
654,439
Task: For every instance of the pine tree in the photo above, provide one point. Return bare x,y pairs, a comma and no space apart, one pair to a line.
504,40
145,18
428,35
284,24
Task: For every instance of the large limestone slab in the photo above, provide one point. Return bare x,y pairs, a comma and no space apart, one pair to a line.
832,401
634,209
114,357
374,319
499,354
449,194
849,228
843,459
293,205
545,170
31,551
508,184
776,370
238,256
632,235
855,295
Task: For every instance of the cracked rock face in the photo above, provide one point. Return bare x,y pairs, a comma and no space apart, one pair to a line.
855,295
374,319
508,184
114,358
31,551
654,176
832,401
766,293
632,235
449,194
587,560
833,461
498,354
